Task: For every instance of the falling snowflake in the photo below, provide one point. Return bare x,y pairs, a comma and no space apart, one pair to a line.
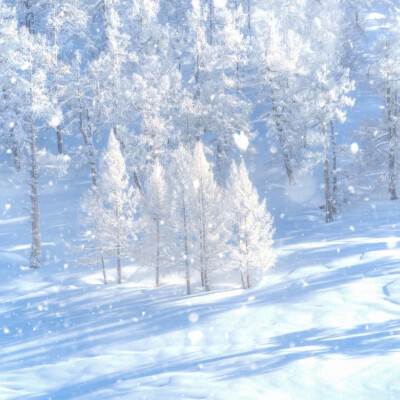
241,141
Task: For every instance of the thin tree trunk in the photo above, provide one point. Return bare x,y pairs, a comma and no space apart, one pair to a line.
249,14
243,280
212,17
392,153
104,270
55,57
28,16
334,169
15,150
119,267
282,143
328,199
220,161
186,239
36,247
248,279
88,139
158,254
59,140
206,281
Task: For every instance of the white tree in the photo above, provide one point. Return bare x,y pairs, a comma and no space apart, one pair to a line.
155,223
10,61
383,141
95,233
329,95
209,217
214,100
120,198
182,209
279,56
251,225
30,103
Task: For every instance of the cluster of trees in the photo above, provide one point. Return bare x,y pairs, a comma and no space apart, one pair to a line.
164,76
182,219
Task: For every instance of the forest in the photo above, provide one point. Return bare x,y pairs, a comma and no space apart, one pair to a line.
170,82
199,199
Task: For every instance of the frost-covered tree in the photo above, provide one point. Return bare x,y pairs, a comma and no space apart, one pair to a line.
214,100
251,225
382,141
110,84
182,211
155,223
11,60
63,22
329,97
120,198
33,108
279,57
82,115
209,217
95,235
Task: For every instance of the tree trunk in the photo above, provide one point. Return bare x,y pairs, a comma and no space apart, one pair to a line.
243,280
29,18
119,267
334,169
212,17
248,279
59,140
104,270
249,14
36,247
206,281
281,138
88,139
392,151
220,161
328,199
186,239
158,254
15,150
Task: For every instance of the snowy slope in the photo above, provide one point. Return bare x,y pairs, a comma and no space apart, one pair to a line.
324,323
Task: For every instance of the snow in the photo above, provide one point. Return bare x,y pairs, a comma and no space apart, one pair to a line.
354,148
323,323
241,141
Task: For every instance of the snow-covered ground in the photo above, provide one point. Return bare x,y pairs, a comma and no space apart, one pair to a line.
324,323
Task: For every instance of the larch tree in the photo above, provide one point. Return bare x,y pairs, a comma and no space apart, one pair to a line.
182,212
279,52
251,225
121,199
209,216
155,223
95,235
35,110
329,96
10,61
385,73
